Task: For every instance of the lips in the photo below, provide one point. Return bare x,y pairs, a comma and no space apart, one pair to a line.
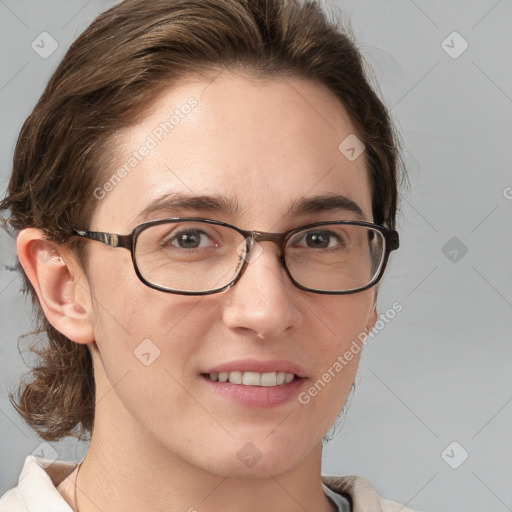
257,366
256,383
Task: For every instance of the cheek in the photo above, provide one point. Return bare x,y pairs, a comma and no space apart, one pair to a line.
148,343
135,325
340,323
342,319
127,308
132,319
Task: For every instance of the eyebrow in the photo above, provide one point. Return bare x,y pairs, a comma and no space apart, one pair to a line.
231,206
202,203
318,204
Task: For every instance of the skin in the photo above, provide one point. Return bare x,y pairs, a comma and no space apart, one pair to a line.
160,435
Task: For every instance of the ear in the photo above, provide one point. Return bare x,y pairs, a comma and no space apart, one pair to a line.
60,284
373,316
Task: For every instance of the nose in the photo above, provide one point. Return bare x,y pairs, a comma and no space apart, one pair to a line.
264,302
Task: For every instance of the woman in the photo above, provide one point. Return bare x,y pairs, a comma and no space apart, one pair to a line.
204,200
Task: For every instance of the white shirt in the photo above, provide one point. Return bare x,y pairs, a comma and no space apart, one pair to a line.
37,492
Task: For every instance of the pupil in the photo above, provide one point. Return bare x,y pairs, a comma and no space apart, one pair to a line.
317,239
190,240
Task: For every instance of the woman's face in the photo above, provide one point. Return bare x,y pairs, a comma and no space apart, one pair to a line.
263,145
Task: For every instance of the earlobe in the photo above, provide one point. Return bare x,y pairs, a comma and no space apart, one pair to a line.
60,284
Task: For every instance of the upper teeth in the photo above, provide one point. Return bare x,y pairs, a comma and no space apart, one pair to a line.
253,378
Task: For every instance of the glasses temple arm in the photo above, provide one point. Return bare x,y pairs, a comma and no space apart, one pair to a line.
111,239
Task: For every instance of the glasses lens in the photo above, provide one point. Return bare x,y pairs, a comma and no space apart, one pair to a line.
335,257
190,256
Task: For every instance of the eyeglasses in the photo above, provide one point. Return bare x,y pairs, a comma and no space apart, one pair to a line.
195,256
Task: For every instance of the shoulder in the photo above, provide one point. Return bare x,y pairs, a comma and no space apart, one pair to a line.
36,485
363,496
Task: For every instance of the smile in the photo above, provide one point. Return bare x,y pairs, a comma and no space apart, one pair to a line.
253,378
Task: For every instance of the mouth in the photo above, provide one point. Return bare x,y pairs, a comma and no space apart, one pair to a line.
252,378
252,383
255,383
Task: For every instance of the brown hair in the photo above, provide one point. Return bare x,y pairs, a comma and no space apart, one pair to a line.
106,79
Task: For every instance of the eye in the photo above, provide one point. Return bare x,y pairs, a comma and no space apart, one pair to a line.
190,239
318,239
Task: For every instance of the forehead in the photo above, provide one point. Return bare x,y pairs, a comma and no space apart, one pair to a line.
263,144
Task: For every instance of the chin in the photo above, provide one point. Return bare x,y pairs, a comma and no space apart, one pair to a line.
269,465
261,458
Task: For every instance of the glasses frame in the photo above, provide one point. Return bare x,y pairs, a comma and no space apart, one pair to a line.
391,243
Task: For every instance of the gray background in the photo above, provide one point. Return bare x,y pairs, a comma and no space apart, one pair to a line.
439,372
